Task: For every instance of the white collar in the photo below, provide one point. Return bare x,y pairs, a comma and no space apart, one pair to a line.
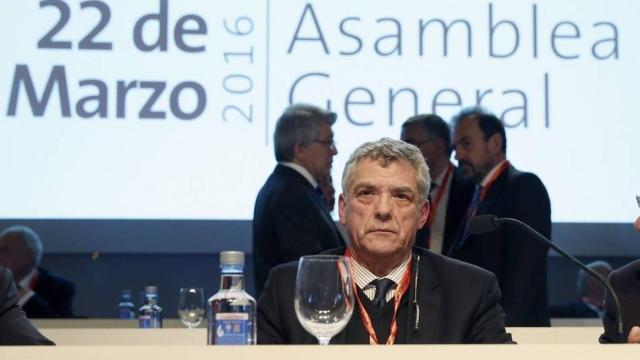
302,171
363,276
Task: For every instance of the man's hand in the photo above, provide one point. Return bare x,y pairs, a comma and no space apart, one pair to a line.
634,334
637,224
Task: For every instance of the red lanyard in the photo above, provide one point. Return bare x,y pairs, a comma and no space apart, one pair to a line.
439,194
493,179
402,288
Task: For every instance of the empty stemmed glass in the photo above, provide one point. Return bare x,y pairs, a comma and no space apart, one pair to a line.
191,307
324,295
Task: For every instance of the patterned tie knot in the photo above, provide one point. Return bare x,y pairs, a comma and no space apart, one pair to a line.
382,287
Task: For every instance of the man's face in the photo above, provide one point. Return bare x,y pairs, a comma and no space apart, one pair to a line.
318,155
415,134
472,150
15,256
381,209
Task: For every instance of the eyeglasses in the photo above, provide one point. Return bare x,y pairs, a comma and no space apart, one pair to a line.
418,143
328,143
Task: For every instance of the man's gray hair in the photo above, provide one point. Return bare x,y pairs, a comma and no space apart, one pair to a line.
386,151
299,124
30,239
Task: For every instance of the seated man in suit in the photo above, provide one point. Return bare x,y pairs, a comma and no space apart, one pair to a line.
15,328
41,293
410,295
626,283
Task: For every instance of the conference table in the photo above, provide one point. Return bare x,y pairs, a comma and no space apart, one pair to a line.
120,339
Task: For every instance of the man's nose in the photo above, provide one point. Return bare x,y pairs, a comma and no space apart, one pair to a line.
383,207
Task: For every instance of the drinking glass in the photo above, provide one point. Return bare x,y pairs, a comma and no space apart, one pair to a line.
191,307
324,295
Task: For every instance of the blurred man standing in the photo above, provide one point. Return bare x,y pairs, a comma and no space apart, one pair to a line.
591,294
291,218
516,257
450,193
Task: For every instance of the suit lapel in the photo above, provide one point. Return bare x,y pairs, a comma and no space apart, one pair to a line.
429,295
486,206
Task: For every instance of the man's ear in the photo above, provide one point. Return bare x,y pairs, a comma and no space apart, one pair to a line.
423,214
342,204
495,143
299,151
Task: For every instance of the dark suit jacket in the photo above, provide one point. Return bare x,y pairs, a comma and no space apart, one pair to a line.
626,283
514,256
460,194
458,303
53,297
290,220
15,329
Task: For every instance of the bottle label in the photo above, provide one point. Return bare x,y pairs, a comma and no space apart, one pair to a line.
231,328
149,322
127,313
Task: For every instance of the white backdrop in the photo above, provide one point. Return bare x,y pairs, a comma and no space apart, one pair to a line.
563,75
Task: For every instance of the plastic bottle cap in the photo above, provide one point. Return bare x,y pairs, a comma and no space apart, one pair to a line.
151,289
232,258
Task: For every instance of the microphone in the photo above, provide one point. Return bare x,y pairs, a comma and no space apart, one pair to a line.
483,224
487,223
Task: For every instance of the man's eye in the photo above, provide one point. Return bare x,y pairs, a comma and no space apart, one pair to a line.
403,196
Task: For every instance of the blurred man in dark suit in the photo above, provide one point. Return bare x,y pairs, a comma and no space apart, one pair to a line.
403,294
591,294
450,193
626,283
291,218
41,293
516,257
15,328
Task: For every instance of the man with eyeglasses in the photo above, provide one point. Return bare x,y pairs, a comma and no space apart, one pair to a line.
290,217
450,193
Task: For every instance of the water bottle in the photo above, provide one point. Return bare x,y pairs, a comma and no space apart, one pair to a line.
126,309
150,313
232,312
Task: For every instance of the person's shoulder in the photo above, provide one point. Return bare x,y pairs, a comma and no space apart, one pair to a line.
284,270
523,178
522,183
627,276
285,182
452,267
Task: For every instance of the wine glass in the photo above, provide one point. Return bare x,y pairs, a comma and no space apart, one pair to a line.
324,295
191,307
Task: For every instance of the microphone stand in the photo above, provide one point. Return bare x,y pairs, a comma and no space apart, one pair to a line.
582,266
